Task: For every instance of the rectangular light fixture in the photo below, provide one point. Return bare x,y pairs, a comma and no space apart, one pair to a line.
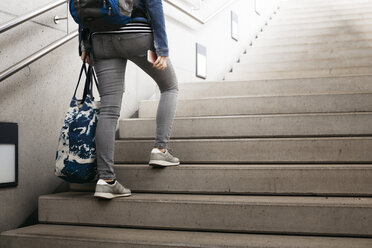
201,61
234,26
8,154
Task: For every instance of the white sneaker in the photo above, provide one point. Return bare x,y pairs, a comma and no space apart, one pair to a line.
109,191
159,158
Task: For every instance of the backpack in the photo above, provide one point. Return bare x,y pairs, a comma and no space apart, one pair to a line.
103,15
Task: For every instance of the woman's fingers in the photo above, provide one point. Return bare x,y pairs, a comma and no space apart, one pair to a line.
85,56
160,63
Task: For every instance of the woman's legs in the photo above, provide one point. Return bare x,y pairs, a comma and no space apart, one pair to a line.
110,73
168,85
110,58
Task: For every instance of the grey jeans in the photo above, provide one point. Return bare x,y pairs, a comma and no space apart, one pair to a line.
110,53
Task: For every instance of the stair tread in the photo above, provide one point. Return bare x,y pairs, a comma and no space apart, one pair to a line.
253,139
344,44
267,95
245,179
321,201
248,81
251,166
117,237
250,116
259,125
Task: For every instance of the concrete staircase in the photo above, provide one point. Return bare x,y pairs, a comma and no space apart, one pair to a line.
278,155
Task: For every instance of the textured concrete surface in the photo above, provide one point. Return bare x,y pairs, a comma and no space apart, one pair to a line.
292,215
329,24
303,65
326,8
352,84
261,55
299,21
348,10
318,3
333,167
281,104
331,17
316,73
319,31
324,179
343,124
30,36
361,43
38,95
36,98
347,24
310,40
278,150
315,47
46,235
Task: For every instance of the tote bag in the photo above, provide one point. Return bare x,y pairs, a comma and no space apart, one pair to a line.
76,152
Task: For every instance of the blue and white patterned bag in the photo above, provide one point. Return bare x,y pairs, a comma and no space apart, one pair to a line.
76,153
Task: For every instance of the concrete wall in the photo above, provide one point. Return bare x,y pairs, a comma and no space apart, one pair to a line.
37,97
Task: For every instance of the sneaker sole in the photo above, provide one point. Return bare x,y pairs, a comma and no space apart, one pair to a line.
110,195
162,163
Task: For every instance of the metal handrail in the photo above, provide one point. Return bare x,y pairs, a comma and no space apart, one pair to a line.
19,20
198,19
25,62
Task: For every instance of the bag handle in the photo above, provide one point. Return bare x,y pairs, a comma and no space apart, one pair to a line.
90,77
83,68
88,88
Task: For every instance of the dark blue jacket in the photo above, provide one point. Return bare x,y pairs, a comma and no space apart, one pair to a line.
154,9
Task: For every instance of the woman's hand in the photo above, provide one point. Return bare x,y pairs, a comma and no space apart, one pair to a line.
160,63
85,56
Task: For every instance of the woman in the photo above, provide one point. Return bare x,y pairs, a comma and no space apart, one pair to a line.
108,52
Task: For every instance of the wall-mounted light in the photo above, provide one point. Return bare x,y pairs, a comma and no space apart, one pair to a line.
256,8
234,26
8,154
201,61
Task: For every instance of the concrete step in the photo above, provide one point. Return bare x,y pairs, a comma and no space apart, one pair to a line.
329,24
316,73
259,55
330,8
266,214
311,39
353,84
318,4
328,124
312,48
246,179
340,25
269,104
317,64
282,18
309,34
346,19
61,236
273,34
249,150
316,9
322,12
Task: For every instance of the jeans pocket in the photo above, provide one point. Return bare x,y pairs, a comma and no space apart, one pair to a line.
102,46
97,46
136,44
